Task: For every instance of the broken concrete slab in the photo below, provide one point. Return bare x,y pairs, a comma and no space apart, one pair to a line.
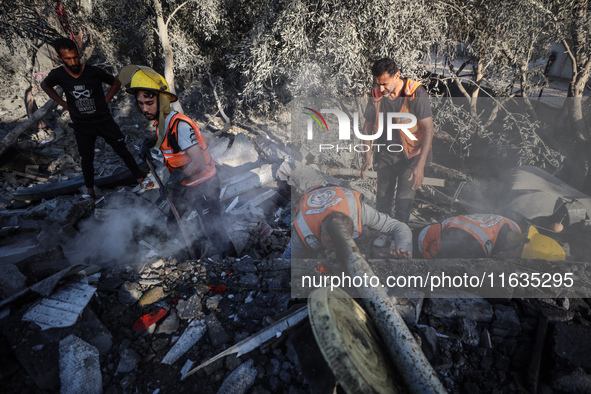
11,281
573,343
46,286
241,152
236,185
190,308
169,325
42,265
476,309
128,361
190,337
217,147
62,308
13,254
506,322
240,380
217,334
80,370
56,234
129,293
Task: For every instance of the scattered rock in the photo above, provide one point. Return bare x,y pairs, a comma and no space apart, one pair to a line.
80,370
573,343
169,325
129,293
506,322
190,308
11,281
240,380
217,334
476,309
128,361
151,296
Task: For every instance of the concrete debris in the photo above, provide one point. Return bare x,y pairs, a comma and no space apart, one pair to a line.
62,308
80,370
151,296
259,338
11,280
476,309
213,302
129,293
573,343
169,325
44,287
240,380
217,334
190,308
506,322
474,345
128,361
190,337
236,185
241,152
188,365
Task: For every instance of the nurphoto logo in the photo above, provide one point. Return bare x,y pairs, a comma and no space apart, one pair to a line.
394,121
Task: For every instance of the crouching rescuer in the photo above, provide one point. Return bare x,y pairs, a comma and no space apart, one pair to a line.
193,183
319,206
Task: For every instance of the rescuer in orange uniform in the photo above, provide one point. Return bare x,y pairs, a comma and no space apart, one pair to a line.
483,236
193,183
402,170
319,205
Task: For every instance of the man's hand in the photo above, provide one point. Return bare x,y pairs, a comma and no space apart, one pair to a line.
175,178
418,174
399,253
147,144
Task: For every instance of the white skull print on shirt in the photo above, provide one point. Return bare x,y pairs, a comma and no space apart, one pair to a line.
84,102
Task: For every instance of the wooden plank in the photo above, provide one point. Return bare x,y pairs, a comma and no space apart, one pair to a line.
373,174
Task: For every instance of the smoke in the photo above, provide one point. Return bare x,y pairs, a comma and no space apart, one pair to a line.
122,231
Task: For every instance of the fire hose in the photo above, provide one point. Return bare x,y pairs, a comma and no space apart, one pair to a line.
409,359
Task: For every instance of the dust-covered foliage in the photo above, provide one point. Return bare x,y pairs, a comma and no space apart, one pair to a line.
309,48
262,54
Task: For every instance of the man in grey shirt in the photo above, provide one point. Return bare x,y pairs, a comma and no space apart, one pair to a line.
318,206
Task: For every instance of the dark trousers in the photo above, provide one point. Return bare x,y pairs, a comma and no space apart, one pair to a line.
394,177
86,135
205,199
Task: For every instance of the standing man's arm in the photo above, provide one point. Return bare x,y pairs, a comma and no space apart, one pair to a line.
367,130
387,225
418,173
53,95
113,90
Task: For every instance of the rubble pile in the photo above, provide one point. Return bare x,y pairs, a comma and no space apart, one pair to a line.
98,296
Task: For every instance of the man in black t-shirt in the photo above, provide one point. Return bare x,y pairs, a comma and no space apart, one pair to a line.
88,107
401,160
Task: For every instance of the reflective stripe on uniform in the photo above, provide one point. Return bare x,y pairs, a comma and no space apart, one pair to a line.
203,178
486,241
422,235
309,237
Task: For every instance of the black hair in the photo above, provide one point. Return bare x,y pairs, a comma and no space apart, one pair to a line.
146,93
382,66
64,43
340,218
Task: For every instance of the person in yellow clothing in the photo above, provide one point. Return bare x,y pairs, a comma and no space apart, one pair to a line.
400,162
193,183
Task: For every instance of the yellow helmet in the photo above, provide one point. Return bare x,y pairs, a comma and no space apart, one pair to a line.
541,247
136,78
